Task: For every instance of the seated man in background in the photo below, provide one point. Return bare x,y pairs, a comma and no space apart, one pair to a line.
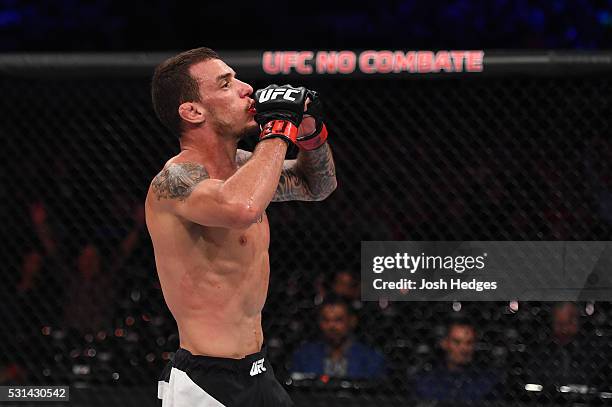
344,284
347,285
456,378
338,354
569,356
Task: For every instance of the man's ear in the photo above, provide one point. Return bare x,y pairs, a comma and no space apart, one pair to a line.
192,112
444,343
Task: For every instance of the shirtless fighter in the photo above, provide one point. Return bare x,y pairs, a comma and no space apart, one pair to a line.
205,213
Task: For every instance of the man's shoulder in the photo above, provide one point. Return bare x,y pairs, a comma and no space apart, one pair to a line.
366,354
310,347
361,347
175,179
180,161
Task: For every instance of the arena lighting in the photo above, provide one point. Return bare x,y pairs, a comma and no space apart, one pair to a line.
574,388
533,387
589,309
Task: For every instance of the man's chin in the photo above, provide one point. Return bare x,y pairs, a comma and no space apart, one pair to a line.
335,341
250,130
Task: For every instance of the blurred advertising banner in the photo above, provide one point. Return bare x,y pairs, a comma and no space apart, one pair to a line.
349,64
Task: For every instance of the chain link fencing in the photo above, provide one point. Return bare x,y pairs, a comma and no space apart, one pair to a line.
511,157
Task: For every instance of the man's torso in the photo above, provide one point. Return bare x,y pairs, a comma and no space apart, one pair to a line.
214,281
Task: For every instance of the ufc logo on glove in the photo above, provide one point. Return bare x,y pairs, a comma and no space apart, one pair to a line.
272,94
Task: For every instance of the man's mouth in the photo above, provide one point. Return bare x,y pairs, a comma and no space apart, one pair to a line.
251,108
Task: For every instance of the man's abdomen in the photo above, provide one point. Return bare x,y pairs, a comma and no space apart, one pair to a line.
220,315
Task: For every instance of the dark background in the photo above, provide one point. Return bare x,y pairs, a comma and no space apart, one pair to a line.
48,25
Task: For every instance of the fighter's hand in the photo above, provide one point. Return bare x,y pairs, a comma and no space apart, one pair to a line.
313,132
279,111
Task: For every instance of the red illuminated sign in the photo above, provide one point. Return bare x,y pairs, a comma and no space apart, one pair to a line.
371,62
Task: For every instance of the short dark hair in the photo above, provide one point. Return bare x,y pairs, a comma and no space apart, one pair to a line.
172,85
333,299
459,321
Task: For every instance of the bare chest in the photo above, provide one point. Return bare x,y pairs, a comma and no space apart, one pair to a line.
238,242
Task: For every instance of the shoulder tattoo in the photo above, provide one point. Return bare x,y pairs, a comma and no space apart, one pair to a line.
242,157
178,180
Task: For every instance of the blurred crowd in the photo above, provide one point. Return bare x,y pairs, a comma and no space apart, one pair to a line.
477,160
87,307
459,352
94,314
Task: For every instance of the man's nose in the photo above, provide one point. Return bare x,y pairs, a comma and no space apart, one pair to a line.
248,89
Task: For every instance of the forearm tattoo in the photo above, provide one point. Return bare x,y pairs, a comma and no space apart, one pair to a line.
291,187
309,178
178,180
313,177
319,171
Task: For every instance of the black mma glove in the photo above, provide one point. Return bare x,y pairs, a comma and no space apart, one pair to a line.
279,111
318,136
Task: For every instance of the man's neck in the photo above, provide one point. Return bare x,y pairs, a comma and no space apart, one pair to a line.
563,340
338,351
455,367
216,153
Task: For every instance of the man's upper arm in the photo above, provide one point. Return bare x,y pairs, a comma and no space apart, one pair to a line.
291,186
187,190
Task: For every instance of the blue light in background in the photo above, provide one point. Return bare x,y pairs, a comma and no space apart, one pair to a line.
10,17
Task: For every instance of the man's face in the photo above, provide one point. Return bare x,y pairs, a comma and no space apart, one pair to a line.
335,323
459,345
228,106
565,322
345,285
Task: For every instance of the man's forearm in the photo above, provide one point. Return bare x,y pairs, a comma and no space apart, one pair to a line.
256,181
318,171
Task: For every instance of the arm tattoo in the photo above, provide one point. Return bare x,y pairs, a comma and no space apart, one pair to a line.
311,177
319,171
290,187
242,157
178,180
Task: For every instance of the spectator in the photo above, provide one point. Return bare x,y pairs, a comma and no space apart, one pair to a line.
40,273
347,286
93,287
344,284
12,373
338,354
44,250
569,356
89,304
457,377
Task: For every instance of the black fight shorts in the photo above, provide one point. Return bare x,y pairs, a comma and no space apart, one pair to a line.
204,381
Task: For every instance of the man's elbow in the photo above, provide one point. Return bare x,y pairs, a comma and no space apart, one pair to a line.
244,215
326,191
